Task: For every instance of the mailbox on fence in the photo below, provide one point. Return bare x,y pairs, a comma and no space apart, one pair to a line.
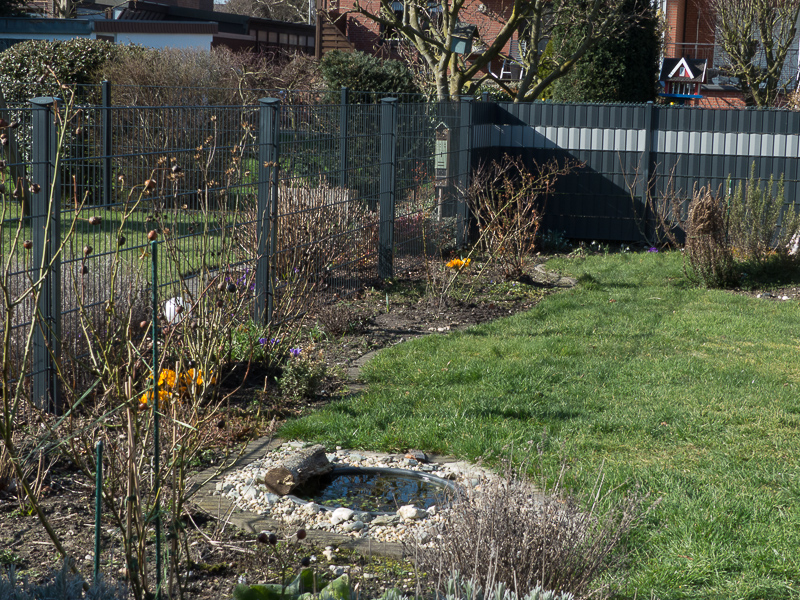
441,161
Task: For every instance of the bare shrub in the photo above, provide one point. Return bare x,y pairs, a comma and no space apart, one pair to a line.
322,227
514,534
661,217
322,233
762,224
191,77
708,250
508,200
342,319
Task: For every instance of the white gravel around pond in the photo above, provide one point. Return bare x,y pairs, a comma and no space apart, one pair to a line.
409,524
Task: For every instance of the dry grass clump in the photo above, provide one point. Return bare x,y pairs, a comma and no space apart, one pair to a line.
708,247
514,534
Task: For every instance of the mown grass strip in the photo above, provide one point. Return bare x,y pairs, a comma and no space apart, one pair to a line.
689,393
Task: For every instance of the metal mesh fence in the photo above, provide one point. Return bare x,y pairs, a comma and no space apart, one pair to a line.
428,136
326,226
16,225
292,202
194,175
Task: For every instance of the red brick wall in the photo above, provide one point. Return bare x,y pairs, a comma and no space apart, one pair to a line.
690,29
42,7
676,13
699,25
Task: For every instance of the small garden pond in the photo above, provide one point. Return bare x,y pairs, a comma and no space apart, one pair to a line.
376,490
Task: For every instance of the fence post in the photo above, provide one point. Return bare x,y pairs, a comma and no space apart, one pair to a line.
647,159
387,187
464,170
107,148
46,236
266,216
344,115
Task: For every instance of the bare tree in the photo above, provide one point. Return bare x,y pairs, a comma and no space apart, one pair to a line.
756,36
430,29
294,11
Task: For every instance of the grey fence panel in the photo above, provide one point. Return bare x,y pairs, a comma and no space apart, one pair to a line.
676,149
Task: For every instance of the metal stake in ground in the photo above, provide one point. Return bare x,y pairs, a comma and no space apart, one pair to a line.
156,428
98,492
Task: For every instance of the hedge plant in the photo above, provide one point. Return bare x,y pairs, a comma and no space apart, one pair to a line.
38,67
365,73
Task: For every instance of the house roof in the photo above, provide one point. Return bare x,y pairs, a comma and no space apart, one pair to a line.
694,69
152,11
116,26
142,10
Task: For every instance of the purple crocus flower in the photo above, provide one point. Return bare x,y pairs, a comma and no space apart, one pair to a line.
652,249
295,352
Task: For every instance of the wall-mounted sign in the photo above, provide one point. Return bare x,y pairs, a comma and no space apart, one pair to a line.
441,157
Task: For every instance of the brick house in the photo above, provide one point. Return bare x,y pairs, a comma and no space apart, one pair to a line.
338,29
690,33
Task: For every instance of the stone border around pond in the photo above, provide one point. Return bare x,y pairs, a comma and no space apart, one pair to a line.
206,494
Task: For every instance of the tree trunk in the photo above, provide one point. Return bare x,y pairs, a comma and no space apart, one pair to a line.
296,469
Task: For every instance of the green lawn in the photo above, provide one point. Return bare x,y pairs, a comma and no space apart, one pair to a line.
193,236
690,393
